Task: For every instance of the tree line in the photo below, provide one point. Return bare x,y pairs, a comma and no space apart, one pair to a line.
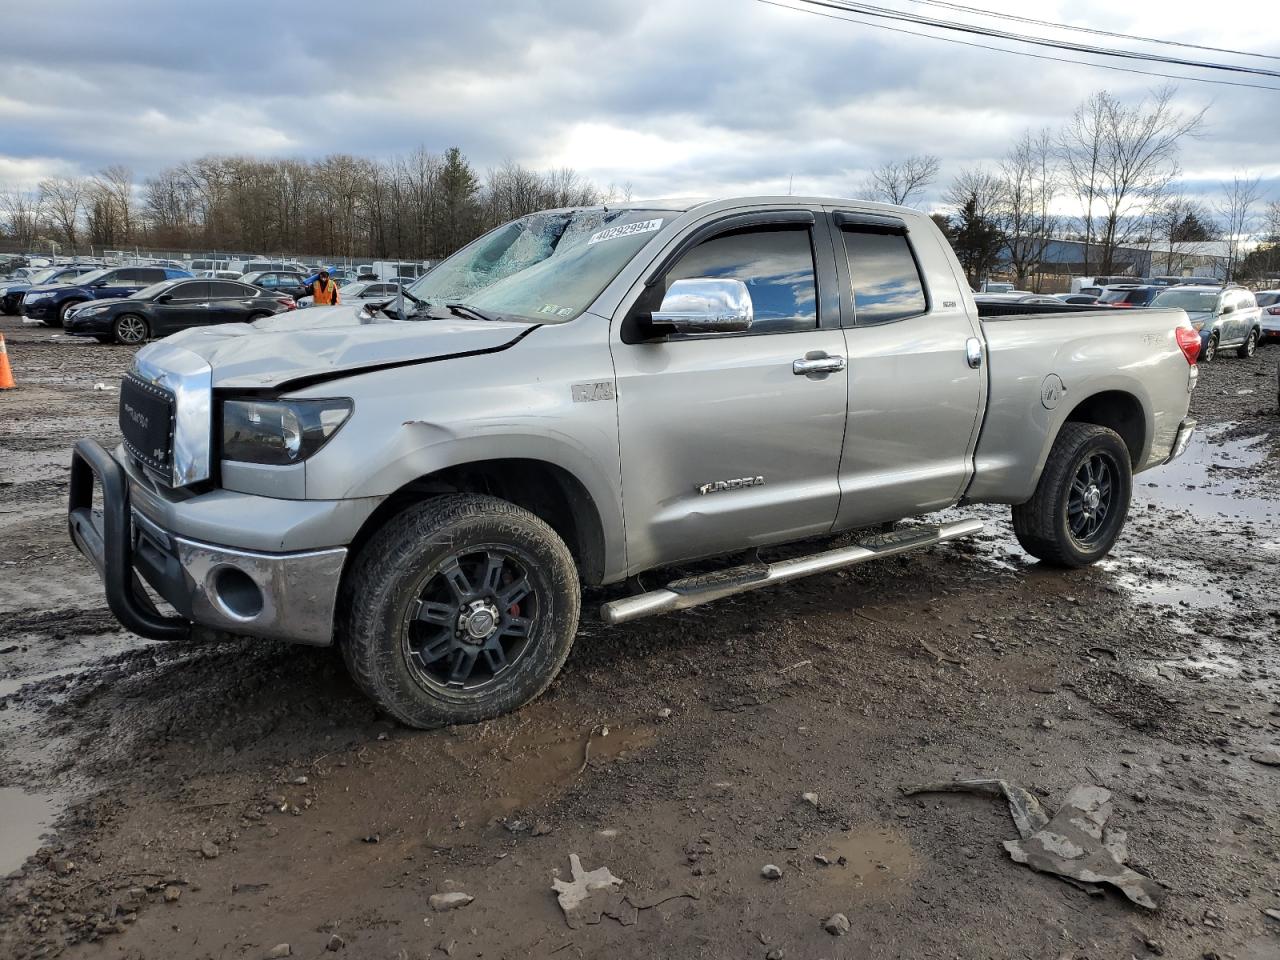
420,206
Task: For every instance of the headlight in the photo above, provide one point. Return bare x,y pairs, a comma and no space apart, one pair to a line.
279,431
1198,324
32,297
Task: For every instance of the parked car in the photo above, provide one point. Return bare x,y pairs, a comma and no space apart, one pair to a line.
1094,285
217,275
51,303
1015,296
1224,317
279,281
12,292
1129,295
599,393
172,305
360,290
1077,298
1269,305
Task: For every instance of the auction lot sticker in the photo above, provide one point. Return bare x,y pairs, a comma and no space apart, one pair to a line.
626,230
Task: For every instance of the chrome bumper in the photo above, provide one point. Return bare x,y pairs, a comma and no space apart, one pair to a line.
289,596
1183,437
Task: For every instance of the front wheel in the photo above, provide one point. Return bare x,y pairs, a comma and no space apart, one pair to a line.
461,608
1250,345
1209,350
1081,501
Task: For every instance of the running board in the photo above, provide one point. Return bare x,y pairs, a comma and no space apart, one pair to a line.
695,591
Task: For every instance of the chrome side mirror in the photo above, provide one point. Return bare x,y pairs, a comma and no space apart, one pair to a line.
705,305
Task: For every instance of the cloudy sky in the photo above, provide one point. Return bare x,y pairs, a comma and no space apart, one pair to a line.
675,97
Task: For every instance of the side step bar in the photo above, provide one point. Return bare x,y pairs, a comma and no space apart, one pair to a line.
695,591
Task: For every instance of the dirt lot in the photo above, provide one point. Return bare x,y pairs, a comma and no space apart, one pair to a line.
218,801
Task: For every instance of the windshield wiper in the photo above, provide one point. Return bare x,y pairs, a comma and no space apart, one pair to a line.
462,310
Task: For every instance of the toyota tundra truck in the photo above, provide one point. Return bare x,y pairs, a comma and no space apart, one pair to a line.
581,396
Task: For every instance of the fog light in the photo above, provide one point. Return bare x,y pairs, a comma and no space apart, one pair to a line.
237,593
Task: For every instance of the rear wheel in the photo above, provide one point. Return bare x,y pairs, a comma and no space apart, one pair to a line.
1249,347
130,329
461,608
1209,350
1081,501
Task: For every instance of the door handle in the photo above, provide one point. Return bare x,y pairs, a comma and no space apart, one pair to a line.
973,352
811,365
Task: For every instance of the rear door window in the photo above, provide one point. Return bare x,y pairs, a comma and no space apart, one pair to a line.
223,290
884,275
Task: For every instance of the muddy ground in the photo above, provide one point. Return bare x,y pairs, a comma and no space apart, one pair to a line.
178,801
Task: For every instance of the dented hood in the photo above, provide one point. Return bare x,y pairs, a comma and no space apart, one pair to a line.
321,343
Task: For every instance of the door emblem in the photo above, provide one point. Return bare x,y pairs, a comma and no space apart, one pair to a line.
716,486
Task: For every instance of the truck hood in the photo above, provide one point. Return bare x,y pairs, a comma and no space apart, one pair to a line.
325,343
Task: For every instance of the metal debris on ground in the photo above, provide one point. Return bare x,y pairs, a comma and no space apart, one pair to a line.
1071,844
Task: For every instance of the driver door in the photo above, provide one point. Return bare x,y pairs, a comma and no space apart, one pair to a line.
725,442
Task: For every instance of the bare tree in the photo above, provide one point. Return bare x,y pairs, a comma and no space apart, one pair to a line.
977,197
904,182
63,202
1185,226
1237,210
23,211
1119,160
1030,179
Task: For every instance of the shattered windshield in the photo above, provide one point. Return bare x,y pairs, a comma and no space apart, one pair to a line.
545,267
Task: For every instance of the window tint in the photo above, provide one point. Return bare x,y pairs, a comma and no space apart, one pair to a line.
222,290
886,282
190,292
775,264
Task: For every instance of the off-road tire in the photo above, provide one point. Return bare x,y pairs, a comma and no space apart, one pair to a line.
1209,350
400,559
1041,524
1249,347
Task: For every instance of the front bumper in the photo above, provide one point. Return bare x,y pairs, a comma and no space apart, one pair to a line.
40,309
79,324
289,596
1186,428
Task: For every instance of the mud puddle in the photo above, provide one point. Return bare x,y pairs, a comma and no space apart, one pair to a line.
24,819
867,859
1211,476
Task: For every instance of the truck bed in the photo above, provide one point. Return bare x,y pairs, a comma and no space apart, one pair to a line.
1043,362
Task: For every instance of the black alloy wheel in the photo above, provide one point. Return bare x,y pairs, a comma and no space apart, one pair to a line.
473,619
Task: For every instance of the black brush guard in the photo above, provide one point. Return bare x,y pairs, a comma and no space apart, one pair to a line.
108,542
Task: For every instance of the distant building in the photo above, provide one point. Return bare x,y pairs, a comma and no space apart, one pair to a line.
1064,259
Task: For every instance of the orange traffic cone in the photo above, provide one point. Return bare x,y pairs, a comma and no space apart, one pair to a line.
6,375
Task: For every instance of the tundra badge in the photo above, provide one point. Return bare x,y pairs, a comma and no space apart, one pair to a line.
717,485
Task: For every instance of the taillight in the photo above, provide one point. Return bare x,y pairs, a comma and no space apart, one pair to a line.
1189,341
287,302
1274,311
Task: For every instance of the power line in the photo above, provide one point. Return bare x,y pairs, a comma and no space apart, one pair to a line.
1093,30
1016,53
890,13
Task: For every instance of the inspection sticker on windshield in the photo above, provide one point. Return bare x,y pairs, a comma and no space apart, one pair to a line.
626,230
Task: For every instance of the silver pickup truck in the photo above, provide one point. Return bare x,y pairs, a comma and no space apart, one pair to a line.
584,395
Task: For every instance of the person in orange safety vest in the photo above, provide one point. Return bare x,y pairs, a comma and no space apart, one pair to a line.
324,292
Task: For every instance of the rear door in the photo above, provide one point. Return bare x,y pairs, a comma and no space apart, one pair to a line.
231,302
725,444
914,392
